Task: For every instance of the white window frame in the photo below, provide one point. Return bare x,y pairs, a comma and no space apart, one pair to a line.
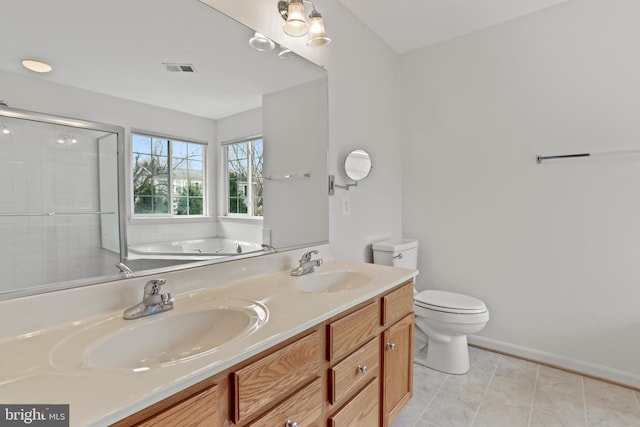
225,177
170,215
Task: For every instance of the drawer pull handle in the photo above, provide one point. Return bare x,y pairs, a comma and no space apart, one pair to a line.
362,369
391,345
291,424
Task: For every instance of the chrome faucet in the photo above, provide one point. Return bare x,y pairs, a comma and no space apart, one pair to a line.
307,265
152,302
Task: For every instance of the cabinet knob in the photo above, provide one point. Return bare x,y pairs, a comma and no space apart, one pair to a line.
291,424
362,369
391,345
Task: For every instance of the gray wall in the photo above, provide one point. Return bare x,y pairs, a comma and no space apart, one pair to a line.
553,248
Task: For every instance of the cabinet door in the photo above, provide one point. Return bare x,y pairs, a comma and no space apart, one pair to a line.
398,366
197,411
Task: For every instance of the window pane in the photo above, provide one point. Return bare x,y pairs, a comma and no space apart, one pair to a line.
141,144
179,150
156,191
196,152
196,206
194,165
150,205
160,147
244,158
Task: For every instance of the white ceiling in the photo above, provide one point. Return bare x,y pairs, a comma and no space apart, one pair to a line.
406,25
118,47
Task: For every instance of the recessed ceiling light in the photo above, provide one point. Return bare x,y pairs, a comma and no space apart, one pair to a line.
37,66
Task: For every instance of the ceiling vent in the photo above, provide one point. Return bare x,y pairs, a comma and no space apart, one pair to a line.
180,68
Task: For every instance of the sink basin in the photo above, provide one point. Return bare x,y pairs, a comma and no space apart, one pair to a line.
160,340
333,281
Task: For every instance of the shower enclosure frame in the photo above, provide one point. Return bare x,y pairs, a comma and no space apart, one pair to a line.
119,131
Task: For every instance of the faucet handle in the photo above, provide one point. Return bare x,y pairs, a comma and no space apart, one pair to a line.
166,299
306,257
152,287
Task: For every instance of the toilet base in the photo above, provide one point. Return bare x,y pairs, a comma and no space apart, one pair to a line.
450,358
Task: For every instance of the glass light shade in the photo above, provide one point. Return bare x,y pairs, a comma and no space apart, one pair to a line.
5,130
317,36
296,25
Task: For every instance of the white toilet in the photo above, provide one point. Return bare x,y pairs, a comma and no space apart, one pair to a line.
443,319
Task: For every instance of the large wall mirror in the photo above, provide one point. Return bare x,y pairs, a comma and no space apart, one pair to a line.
236,141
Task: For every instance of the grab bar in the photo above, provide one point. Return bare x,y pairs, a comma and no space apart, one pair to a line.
56,213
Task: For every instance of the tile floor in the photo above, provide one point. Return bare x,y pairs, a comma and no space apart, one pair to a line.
501,391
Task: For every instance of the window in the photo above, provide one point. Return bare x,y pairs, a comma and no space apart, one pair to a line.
168,176
244,177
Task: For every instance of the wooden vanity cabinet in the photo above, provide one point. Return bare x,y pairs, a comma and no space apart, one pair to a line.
355,369
397,366
397,350
370,353
267,381
199,410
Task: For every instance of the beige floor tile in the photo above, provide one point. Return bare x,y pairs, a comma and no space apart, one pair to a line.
559,383
501,391
601,394
516,368
485,420
445,413
427,382
482,360
465,390
508,399
554,409
555,418
612,417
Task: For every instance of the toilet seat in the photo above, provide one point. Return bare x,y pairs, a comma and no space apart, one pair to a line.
449,302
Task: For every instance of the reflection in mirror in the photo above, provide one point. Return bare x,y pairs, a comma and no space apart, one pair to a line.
357,165
59,220
201,81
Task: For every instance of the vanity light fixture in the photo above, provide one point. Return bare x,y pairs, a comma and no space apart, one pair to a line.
37,66
292,11
261,43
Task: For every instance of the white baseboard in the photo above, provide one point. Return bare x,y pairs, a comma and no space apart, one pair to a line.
578,366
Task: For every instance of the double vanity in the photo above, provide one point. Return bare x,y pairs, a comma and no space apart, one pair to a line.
245,343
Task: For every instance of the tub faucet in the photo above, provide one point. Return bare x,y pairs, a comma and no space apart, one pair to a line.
152,302
307,265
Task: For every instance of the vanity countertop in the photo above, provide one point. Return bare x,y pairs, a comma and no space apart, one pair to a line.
31,371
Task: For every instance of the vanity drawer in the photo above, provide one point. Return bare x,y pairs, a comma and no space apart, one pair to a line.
270,379
198,410
304,408
396,304
354,371
362,410
348,333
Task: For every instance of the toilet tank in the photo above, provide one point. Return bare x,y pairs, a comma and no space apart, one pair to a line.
396,252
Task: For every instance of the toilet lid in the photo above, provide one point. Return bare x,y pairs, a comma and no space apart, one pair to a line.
449,302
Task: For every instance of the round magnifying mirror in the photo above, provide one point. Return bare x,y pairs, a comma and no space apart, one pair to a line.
357,165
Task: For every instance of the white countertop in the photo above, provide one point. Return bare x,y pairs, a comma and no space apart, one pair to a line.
30,373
